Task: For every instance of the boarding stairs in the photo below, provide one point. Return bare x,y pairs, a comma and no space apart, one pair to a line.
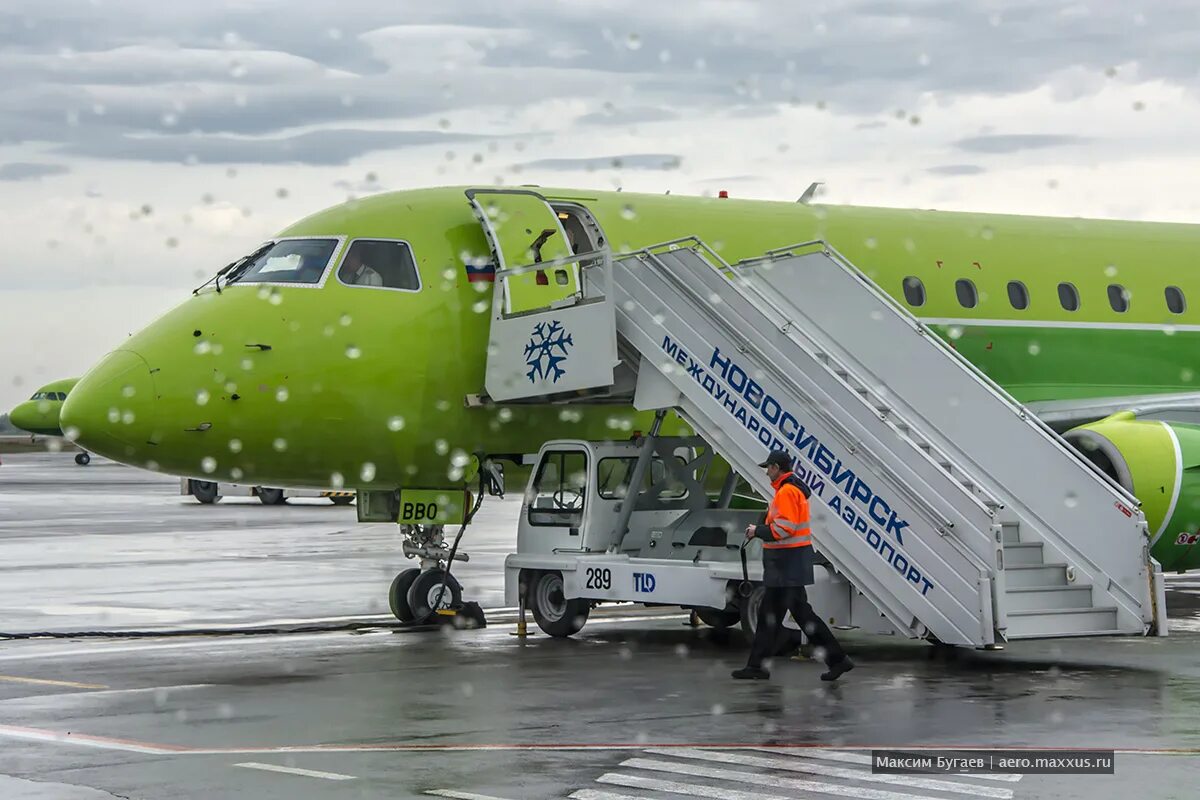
957,514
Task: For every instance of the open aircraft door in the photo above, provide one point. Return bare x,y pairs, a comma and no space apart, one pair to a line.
553,328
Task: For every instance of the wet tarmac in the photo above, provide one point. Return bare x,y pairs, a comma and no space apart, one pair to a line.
638,705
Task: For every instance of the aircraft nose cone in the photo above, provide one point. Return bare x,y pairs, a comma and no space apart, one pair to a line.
111,411
26,416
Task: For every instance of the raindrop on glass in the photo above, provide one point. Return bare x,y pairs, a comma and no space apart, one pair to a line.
280,444
353,352
209,465
202,397
395,424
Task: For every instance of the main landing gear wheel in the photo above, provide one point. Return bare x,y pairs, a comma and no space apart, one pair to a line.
718,618
553,612
205,492
398,594
342,501
83,459
425,589
271,497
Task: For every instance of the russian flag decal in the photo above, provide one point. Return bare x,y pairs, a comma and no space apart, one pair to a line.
480,272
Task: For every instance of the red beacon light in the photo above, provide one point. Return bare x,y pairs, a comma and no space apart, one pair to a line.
723,194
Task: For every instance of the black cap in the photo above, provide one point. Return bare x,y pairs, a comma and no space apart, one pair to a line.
779,458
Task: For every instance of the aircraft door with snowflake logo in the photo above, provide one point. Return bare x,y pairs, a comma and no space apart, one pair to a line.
553,330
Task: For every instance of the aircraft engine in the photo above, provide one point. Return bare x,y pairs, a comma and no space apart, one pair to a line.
1159,462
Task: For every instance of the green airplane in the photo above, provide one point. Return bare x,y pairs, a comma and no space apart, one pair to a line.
350,349
40,414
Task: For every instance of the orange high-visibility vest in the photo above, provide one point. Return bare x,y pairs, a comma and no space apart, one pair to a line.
787,516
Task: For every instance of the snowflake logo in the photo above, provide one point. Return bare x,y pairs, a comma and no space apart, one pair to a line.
546,351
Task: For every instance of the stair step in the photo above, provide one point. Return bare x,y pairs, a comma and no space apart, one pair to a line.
841,373
1023,553
1010,532
1042,623
1025,575
1034,598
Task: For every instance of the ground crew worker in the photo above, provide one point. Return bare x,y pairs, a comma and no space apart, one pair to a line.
787,569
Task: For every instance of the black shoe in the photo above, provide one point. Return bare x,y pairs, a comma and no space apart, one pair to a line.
752,673
838,669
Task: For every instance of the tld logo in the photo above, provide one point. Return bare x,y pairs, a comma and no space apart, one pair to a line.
643,582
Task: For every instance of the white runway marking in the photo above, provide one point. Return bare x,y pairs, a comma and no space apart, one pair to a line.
860,758
695,790
461,795
307,773
770,781
837,772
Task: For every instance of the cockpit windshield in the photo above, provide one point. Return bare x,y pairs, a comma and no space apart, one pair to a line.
288,261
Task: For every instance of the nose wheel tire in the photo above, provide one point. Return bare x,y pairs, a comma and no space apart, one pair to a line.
83,459
425,590
271,497
205,492
398,594
554,613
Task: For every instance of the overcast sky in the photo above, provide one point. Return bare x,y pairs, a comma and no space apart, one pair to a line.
144,144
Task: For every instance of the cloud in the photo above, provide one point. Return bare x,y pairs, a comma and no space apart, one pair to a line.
25,171
957,169
1016,142
323,147
630,161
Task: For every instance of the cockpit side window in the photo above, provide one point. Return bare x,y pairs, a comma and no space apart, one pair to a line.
380,263
290,261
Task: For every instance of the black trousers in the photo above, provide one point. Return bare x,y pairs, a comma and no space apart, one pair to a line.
776,602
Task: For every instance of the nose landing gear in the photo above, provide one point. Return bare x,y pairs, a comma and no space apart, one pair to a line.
429,594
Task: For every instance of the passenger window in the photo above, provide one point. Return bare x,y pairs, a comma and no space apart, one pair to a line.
289,261
1018,295
381,264
914,291
1068,296
1118,298
558,491
1176,303
965,290
61,395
